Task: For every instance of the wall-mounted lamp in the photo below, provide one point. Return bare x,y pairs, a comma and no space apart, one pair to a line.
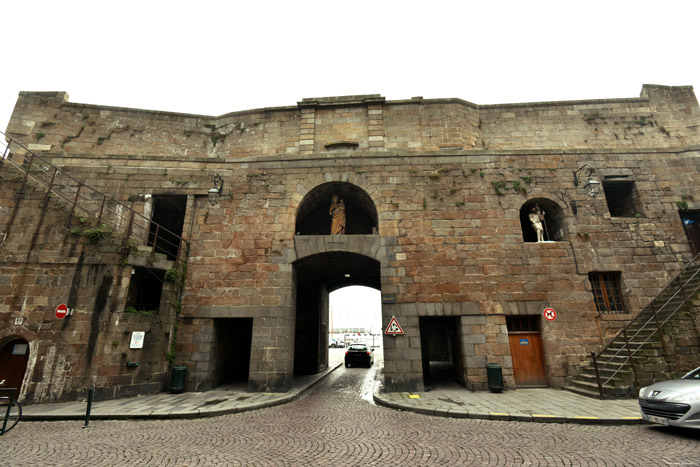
592,185
215,191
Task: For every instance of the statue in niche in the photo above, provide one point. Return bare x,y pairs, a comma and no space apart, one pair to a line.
536,217
337,213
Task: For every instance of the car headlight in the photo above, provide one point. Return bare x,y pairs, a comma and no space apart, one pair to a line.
690,397
641,391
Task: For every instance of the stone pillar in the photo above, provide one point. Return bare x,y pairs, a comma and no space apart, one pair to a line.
307,130
376,126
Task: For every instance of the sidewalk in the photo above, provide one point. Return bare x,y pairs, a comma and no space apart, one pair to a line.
523,405
448,400
223,400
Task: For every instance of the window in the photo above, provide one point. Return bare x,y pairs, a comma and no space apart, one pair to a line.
145,289
607,292
523,323
622,197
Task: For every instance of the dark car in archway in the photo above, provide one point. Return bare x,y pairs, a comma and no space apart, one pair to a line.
359,354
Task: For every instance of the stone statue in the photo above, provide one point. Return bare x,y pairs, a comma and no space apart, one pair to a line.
536,217
337,212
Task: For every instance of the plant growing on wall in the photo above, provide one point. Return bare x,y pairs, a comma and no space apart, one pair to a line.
95,234
683,203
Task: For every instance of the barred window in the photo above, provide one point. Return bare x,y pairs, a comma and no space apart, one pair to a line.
607,292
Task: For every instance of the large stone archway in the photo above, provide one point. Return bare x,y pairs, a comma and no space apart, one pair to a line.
317,276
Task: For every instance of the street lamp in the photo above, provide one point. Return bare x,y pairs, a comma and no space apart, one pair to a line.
592,185
215,191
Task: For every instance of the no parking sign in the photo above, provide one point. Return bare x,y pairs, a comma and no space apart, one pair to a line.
550,314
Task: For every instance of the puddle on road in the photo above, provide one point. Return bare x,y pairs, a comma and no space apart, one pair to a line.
372,383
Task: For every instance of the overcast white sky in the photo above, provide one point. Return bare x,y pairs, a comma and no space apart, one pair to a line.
212,58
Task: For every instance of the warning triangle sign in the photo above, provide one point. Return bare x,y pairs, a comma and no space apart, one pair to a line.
393,327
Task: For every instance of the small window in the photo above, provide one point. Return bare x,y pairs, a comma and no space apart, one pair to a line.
607,292
622,197
523,323
145,289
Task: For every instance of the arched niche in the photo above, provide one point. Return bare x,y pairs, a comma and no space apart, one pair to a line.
554,225
313,217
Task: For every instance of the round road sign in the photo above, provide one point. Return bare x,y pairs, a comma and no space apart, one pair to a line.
61,311
550,314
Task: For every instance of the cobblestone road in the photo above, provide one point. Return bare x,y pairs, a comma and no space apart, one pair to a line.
337,423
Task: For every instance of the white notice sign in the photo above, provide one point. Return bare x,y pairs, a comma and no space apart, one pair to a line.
137,340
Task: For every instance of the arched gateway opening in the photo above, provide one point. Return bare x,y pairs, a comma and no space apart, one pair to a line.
329,262
317,276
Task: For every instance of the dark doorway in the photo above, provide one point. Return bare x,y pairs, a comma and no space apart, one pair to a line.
169,215
526,350
14,356
233,339
441,351
691,224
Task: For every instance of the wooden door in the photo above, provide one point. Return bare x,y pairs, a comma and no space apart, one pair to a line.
528,359
13,363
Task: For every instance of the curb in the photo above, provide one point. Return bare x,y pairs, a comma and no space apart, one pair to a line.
183,415
534,418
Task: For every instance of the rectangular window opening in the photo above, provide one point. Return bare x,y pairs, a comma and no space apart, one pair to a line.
523,323
607,292
145,290
622,198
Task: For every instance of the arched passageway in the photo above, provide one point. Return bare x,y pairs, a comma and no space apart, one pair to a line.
317,276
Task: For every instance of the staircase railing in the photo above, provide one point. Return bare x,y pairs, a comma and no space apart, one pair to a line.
85,200
679,288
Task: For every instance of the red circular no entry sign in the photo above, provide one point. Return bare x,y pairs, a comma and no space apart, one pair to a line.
549,314
61,311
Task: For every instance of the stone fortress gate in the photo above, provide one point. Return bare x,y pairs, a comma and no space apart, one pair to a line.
438,196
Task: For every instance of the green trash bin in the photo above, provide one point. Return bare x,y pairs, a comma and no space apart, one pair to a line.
177,379
494,374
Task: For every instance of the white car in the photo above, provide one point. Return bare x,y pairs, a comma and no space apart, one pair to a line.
675,402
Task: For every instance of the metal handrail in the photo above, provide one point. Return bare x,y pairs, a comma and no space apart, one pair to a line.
681,289
107,211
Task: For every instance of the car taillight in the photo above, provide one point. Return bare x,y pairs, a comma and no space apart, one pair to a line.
347,352
368,353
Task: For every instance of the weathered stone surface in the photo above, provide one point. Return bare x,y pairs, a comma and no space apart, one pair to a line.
447,180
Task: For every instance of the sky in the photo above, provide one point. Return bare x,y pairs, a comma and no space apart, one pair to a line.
212,58
356,307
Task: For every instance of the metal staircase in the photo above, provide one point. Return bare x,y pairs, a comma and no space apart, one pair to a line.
615,371
90,207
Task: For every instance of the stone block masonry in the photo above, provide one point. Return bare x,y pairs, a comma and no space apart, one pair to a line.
445,185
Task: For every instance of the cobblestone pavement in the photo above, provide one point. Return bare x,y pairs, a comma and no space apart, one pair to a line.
337,423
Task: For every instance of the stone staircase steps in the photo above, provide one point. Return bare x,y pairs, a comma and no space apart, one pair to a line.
614,366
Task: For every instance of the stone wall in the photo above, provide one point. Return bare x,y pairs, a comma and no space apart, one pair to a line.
44,264
448,180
